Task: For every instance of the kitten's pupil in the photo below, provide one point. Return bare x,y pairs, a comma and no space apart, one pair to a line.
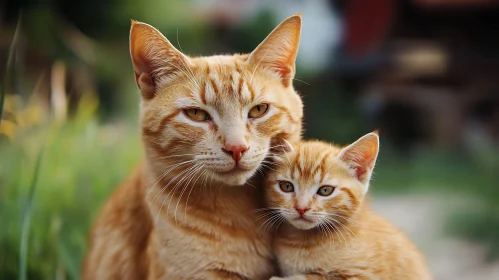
325,190
286,186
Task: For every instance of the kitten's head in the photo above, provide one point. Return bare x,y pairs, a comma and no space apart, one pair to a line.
318,183
219,115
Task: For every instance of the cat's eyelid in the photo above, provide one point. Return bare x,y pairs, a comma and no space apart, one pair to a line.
186,103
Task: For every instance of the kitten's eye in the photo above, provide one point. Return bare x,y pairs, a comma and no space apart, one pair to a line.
325,190
258,111
286,186
197,114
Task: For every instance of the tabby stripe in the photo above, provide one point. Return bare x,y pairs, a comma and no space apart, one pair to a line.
320,166
240,85
161,126
252,92
351,195
202,93
214,86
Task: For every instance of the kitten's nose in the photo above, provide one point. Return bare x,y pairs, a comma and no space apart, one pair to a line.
301,211
235,151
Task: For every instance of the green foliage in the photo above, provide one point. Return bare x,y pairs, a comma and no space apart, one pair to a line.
83,161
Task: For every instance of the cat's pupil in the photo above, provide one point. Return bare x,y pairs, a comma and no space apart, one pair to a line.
286,186
325,190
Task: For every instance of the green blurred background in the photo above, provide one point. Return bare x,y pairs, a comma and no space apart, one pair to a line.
423,72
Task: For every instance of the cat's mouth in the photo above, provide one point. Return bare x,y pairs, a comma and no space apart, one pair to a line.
237,170
236,176
303,218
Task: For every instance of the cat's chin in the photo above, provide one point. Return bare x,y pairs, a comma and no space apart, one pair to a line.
236,177
302,224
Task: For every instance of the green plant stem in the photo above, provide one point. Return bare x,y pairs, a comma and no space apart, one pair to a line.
26,221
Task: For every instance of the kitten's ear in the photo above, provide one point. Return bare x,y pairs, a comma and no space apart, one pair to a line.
361,156
278,51
155,60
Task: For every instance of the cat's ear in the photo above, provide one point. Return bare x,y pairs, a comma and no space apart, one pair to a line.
155,60
361,156
278,51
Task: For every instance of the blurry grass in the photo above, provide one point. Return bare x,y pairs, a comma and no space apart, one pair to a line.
27,219
83,162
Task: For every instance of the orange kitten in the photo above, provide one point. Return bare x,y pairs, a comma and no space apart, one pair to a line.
317,192
207,126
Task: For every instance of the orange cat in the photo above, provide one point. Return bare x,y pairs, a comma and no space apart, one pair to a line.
317,191
207,126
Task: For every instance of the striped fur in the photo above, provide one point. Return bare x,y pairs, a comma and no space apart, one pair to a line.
186,211
338,236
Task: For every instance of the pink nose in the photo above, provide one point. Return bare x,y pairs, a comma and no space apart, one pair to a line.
235,151
301,211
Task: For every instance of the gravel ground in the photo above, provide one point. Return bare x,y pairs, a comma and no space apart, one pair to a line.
422,218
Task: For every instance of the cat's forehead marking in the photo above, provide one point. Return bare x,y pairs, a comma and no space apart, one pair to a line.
226,83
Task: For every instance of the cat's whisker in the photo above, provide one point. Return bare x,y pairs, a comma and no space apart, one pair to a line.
271,221
276,223
180,184
188,184
172,180
185,64
164,175
334,222
189,177
192,82
265,209
274,214
265,215
251,185
254,70
345,227
294,79
172,156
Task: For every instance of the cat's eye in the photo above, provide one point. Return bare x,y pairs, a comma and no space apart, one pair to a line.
286,186
258,111
197,114
325,190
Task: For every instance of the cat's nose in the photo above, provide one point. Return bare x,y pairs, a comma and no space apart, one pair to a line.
301,211
235,151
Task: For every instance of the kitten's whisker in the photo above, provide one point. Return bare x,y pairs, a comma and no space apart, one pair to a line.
264,209
345,227
267,220
270,222
338,230
265,215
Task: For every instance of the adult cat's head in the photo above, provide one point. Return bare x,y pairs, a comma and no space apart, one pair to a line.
221,113
321,185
